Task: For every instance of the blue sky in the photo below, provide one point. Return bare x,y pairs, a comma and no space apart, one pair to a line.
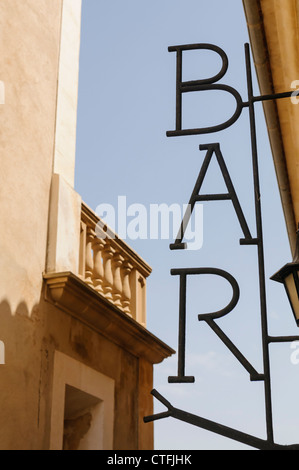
126,105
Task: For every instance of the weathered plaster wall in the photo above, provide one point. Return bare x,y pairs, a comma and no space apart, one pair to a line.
67,95
37,135
26,388
29,50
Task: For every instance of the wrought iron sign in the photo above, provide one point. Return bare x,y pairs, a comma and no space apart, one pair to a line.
247,239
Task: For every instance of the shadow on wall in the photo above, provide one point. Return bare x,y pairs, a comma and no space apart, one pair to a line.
24,367
27,354
31,337
15,327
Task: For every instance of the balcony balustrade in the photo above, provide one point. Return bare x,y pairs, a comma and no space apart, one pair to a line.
96,277
111,267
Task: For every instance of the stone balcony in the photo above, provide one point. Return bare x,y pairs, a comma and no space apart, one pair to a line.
94,276
111,267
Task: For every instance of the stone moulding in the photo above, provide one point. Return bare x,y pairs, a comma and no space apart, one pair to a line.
72,295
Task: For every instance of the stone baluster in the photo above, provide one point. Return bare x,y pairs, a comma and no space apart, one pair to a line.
108,254
98,273
117,261
89,256
141,313
127,288
82,251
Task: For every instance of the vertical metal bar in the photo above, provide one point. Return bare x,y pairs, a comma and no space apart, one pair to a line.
179,73
261,260
180,378
182,327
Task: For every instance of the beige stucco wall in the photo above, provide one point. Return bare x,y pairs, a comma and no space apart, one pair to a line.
37,147
38,132
29,48
67,93
27,378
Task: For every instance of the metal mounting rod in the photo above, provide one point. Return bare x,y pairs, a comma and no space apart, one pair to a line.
260,249
214,427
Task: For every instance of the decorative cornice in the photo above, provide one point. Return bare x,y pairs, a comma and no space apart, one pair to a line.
72,295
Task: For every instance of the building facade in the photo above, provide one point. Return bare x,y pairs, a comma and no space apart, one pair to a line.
77,359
